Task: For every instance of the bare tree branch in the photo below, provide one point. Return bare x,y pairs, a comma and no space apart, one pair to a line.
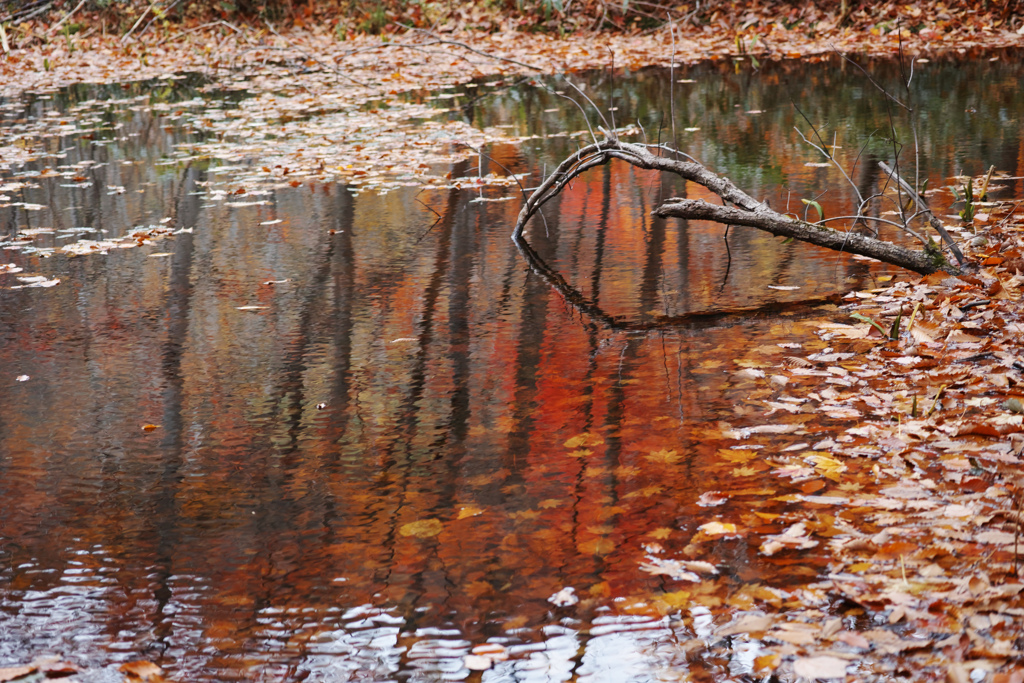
923,208
744,209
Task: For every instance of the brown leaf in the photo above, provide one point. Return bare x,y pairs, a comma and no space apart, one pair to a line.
142,671
14,672
853,639
748,623
423,528
818,668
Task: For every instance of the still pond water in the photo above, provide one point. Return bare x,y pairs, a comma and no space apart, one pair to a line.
411,442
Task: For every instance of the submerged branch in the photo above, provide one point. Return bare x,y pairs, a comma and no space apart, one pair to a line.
742,209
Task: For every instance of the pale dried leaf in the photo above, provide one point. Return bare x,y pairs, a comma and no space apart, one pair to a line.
820,668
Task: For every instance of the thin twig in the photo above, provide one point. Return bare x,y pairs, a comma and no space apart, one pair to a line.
53,29
828,156
136,24
156,16
872,80
923,206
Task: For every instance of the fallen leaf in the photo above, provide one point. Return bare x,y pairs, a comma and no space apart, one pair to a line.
423,528
818,668
748,623
717,528
601,545
674,569
477,662
795,537
711,499
564,598
11,673
142,670
584,440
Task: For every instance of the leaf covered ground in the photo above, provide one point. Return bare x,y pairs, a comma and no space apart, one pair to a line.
904,450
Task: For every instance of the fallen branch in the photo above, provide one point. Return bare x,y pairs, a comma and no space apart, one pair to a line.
741,208
923,207
53,29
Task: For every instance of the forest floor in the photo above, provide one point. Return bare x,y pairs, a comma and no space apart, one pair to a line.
931,477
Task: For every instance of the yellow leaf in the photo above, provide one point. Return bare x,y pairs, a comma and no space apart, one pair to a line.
580,453
745,471
676,600
829,466
737,456
717,528
584,439
767,662
598,546
660,534
549,503
767,516
468,511
423,528
609,512
708,600
646,492
664,456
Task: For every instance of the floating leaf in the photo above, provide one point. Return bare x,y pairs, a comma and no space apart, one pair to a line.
142,671
469,511
602,545
424,528
664,457
585,439
717,528
564,598
820,668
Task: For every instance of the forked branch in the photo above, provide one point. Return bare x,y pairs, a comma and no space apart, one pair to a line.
741,208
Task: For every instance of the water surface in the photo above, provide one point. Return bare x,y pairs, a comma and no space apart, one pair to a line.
408,441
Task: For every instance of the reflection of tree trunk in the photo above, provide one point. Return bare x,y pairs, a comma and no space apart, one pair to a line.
342,322
176,316
532,327
602,231
868,184
410,412
278,511
463,251
651,275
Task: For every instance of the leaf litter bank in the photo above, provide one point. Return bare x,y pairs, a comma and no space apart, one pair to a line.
896,444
